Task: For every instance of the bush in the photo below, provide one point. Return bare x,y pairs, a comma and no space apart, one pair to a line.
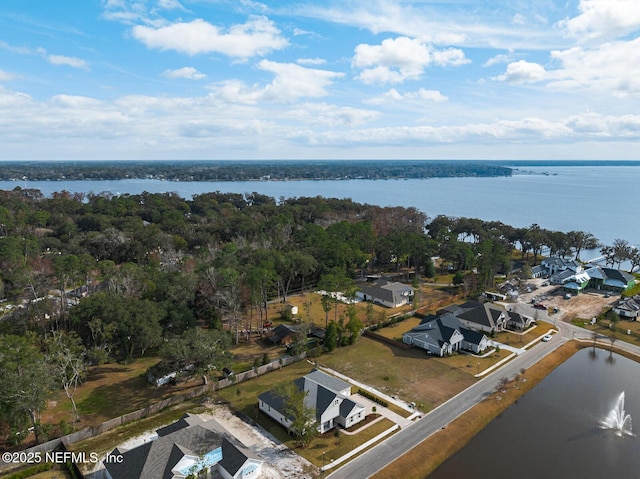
373,397
31,471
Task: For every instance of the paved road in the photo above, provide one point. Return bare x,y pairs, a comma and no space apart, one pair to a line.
379,456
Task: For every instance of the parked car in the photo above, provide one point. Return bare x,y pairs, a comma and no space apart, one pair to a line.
540,306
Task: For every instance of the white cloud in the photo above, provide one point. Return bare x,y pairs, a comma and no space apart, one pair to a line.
519,19
170,5
398,59
604,18
522,72
188,73
612,67
291,82
502,58
258,36
450,57
68,61
324,114
6,76
311,61
393,95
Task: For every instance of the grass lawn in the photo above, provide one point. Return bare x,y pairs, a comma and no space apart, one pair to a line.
603,329
109,391
243,398
410,374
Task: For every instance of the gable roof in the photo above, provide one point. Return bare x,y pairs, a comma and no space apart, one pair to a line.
386,290
486,315
438,330
187,437
234,456
326,380
156,459
281,331
629,304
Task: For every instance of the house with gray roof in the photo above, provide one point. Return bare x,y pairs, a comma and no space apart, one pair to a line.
387,293
572,277
443,335
188,446
488,318
328,396
628,308
518,321
610,279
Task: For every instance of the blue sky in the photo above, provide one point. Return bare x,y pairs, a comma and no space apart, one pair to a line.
310,79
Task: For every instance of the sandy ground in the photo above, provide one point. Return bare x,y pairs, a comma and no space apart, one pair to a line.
279,461
586,305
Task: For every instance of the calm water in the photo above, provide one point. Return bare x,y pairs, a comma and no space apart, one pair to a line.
599,199
553,431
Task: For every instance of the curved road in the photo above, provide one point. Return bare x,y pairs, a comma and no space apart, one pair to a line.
400,443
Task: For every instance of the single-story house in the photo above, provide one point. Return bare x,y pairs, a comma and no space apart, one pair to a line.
518,322
488,318
328,396
283,334
628,308
445,334
187,447
388,293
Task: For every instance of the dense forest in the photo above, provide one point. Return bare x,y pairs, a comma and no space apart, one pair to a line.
248,170
97,278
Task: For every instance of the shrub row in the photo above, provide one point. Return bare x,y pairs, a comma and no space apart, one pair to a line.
373,397
31,471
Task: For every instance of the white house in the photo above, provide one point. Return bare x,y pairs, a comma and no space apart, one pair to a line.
388,293
187,447
445,335
327,395
628,308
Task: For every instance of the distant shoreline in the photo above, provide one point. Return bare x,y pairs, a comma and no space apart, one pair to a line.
279,170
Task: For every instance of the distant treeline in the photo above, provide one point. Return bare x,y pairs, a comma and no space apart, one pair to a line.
247,170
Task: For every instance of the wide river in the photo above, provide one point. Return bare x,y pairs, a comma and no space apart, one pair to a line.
601,200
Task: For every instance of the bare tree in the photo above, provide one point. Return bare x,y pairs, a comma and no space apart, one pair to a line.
66,358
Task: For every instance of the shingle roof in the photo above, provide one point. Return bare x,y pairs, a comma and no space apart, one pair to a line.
386,290
326,380
234,456
347,406
486,315
323,399
156,459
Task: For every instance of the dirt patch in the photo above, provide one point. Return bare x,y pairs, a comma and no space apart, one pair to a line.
280,462
586,305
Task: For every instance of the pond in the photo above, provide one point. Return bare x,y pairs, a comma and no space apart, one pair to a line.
555,430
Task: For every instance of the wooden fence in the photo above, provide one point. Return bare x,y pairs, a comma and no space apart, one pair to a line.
152,409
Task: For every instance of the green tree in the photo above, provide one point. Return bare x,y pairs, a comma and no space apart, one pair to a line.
203,350
458,278
331,336
302,417
26,382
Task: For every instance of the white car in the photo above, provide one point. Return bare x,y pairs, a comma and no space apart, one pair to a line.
546,337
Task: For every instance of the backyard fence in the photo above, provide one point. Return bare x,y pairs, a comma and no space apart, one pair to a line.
152,409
